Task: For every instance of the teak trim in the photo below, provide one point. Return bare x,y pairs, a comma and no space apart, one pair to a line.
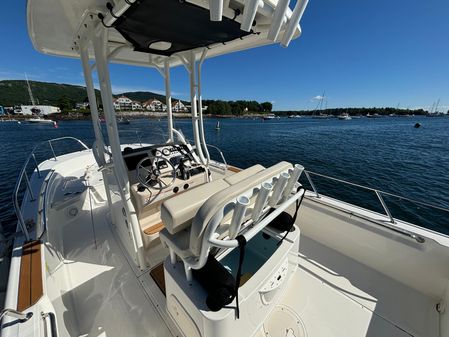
30,278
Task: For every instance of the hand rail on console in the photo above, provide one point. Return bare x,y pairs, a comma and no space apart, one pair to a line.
221,154
23,174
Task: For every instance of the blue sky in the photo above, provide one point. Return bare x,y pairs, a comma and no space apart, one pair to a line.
360,52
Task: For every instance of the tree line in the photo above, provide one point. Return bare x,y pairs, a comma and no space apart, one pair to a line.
219,107
354,112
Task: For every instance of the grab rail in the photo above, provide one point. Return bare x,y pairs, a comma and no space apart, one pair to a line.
221,154
53,329
22,316
23,175
379,194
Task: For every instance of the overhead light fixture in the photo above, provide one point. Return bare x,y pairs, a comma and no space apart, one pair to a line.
160,45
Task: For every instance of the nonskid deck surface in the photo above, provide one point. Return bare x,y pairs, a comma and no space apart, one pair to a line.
335,295
97,291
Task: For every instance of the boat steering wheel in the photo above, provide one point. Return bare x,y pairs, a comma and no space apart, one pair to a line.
150,175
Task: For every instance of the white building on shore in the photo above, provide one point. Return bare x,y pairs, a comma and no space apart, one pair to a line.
179,107
123,103
136,106
154,105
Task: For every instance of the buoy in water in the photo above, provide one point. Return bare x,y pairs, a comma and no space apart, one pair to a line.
417,125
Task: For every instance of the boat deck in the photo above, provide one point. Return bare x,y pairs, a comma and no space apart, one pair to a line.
354,300
96,289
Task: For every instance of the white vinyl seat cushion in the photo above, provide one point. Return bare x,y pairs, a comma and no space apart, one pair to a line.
242,175
177,213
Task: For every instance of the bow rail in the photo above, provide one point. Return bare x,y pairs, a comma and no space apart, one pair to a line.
23,177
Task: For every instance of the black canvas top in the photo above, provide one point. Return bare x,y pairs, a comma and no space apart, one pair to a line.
185,25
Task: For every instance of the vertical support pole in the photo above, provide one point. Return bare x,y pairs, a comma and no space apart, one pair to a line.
249,13
92,101
216,10
278,19
168,98
36,165
200,108
194,110
52,150
294,22
119,170
30,191
172,256
312,184
385,207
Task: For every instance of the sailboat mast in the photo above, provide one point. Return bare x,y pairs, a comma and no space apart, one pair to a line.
436,105
29,91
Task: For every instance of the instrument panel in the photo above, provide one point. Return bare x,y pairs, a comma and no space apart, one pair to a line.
174,153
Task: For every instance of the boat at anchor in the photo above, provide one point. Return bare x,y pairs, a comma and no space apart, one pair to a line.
159,239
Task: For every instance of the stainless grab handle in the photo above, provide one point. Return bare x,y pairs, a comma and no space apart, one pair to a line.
52,317
23,317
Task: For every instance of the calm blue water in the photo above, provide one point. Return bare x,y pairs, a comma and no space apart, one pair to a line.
386,153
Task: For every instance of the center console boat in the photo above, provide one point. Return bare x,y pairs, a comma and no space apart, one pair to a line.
160,240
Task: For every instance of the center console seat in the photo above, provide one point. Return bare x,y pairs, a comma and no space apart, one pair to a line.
196,301
177,213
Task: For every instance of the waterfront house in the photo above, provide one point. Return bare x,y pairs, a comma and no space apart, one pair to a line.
136,105
179,107
123,103
154,105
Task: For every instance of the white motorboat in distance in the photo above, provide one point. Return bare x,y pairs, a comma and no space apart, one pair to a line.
158,239
270,117
40,120
344,117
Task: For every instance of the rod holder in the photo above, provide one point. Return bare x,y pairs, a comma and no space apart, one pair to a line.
261,200
249,14
216,10
238,216
296,173
278,19
279,188
294,22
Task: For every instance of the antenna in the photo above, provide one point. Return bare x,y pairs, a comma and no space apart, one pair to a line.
29,91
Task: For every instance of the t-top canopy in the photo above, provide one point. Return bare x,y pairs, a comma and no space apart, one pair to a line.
166,27
147,32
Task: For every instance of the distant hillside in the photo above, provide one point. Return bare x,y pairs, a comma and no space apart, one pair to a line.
143,96
15,92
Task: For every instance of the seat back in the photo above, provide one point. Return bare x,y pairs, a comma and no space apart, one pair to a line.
221,205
